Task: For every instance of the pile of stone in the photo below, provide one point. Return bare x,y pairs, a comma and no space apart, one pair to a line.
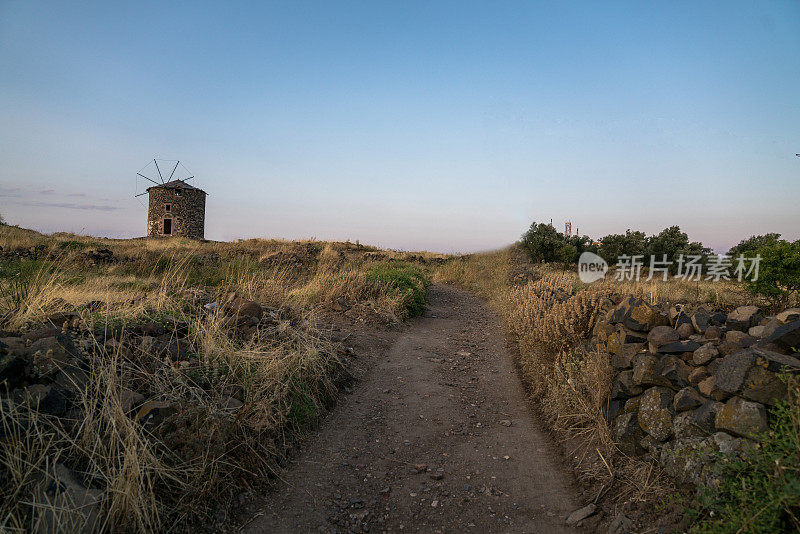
30,253
690,383
47,368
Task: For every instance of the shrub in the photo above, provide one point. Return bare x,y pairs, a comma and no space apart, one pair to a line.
543,242
779,273
405,280
761,491
567,254
753,243
629,244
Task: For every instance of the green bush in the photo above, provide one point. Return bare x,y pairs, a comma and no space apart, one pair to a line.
760,493
752,243
406,280
568,254
543,242
779,273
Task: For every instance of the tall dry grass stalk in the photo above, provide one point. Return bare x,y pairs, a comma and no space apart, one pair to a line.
550,317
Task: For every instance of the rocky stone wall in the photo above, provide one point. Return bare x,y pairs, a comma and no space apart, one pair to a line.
690,383
187,212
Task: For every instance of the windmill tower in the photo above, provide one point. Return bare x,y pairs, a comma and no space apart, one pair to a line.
175,208
568,228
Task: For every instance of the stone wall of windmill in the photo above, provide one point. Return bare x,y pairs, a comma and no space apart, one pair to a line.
176,211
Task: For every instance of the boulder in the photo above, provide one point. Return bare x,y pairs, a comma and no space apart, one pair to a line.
685,459
788,316
742,418
704,354
729,347
742,339
743,317
731,373
708,388
41,333
761,385
48,362
43,398
713,332
642,317
697,375
685,427
628,434
623,386
623,359
656,411
621,525
685,330
719,318
705,417
632,405
64,503
674,370
787,336
580,514
775,361
660,336
674,312
679,347
701,320
687,399
646,371
12,371
63,320
239,306
757,331
770,325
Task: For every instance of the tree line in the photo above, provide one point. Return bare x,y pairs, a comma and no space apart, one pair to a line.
779,267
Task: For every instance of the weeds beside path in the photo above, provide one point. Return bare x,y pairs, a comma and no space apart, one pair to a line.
436,436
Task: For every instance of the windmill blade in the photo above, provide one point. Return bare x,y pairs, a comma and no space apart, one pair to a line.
173,169
187,179
140,194
159,171
146,178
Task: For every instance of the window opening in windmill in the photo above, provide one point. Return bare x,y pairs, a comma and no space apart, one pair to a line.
167,207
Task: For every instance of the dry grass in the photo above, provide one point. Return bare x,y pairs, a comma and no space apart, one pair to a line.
549,313
178,473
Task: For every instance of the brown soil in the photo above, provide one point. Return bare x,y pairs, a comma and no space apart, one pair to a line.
436,437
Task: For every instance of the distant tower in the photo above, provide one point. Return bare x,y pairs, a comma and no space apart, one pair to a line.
175,208
568,228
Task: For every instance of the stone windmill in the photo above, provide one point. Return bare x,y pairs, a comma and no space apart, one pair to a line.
175,208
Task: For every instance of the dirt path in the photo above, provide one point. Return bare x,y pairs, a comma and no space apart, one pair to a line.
446,395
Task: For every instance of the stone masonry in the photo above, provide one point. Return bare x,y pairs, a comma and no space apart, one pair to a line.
176,209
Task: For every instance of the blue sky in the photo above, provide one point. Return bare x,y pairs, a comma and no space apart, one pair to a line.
447,126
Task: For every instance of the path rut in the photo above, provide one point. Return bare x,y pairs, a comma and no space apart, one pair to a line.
437,437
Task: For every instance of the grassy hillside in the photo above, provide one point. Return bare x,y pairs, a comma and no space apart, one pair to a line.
152,379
